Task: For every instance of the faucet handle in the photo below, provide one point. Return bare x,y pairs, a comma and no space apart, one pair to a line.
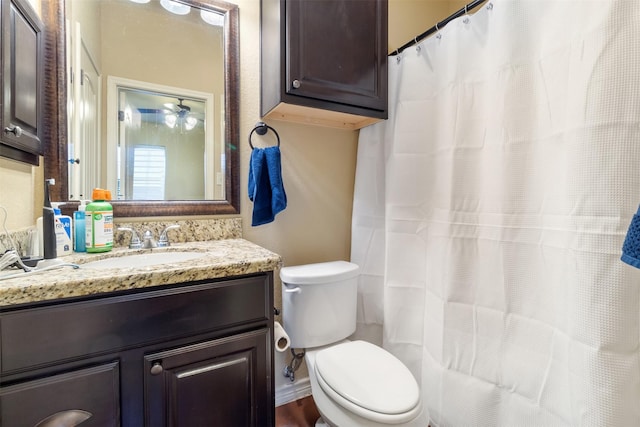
135,242
164,240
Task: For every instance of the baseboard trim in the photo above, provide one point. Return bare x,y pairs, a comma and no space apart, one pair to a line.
287,393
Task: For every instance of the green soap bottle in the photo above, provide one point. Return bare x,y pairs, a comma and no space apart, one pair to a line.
99,222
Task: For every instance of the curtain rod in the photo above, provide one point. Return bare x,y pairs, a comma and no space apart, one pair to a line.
438,26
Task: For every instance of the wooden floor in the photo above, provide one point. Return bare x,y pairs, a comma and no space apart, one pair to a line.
301,413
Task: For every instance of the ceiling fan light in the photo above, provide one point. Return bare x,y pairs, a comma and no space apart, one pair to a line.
175,7
212,18
140,1
190,123
170,120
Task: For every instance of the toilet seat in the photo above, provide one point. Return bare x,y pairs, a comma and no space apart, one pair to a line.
368,381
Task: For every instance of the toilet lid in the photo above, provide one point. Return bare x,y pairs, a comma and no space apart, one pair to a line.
368,377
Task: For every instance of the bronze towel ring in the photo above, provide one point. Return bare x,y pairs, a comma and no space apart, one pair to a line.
262,128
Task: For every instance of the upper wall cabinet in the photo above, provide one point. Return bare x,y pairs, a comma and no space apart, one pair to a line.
22,88
324,62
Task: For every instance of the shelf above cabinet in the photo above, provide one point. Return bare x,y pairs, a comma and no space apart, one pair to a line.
319,117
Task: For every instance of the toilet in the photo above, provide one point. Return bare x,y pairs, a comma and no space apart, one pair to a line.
353,383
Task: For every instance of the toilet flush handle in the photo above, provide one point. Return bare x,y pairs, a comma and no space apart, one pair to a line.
295,290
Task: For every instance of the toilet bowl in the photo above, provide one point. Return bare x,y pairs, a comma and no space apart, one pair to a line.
354,383
361,384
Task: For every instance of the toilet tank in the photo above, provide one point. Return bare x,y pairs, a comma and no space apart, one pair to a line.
319,302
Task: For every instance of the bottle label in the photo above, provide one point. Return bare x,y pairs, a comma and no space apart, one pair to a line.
99,229
64,241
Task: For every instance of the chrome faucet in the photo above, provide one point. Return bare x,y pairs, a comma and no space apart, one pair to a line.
148,242
164,240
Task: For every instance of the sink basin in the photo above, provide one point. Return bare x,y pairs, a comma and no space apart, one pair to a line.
143,260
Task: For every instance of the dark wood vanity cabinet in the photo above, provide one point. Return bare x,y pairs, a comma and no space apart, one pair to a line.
197,354
325,54
22,91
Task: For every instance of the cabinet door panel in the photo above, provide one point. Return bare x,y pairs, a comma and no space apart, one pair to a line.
25,103
337,51
92,392
223,382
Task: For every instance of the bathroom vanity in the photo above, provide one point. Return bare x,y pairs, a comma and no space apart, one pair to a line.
181,344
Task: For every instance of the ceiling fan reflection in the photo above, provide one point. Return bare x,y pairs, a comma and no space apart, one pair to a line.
179,115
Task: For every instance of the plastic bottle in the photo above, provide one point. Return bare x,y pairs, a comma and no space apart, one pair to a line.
63,231
48,224
99,222
79,227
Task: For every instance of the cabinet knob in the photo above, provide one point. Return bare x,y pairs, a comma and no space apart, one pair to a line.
156,369
16,130
296,84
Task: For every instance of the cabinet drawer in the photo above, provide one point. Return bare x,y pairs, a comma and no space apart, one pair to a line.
76,395
43,336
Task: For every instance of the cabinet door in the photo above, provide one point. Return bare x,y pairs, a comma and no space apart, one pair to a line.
224,382
22,88
90,396
337,51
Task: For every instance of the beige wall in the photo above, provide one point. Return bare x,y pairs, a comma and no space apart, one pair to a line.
17,184
410,18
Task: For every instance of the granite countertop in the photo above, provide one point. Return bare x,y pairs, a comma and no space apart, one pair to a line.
223,258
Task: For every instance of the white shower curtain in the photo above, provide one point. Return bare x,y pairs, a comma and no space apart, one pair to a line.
490,211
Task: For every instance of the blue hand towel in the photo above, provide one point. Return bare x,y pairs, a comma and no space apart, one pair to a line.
266,189
631,245
278,195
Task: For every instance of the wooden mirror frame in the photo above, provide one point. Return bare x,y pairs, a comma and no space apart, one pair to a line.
55,121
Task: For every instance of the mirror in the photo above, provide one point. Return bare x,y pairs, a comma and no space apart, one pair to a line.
222,160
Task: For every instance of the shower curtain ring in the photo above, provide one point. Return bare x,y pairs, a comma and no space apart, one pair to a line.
415,41
438,36
466,12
